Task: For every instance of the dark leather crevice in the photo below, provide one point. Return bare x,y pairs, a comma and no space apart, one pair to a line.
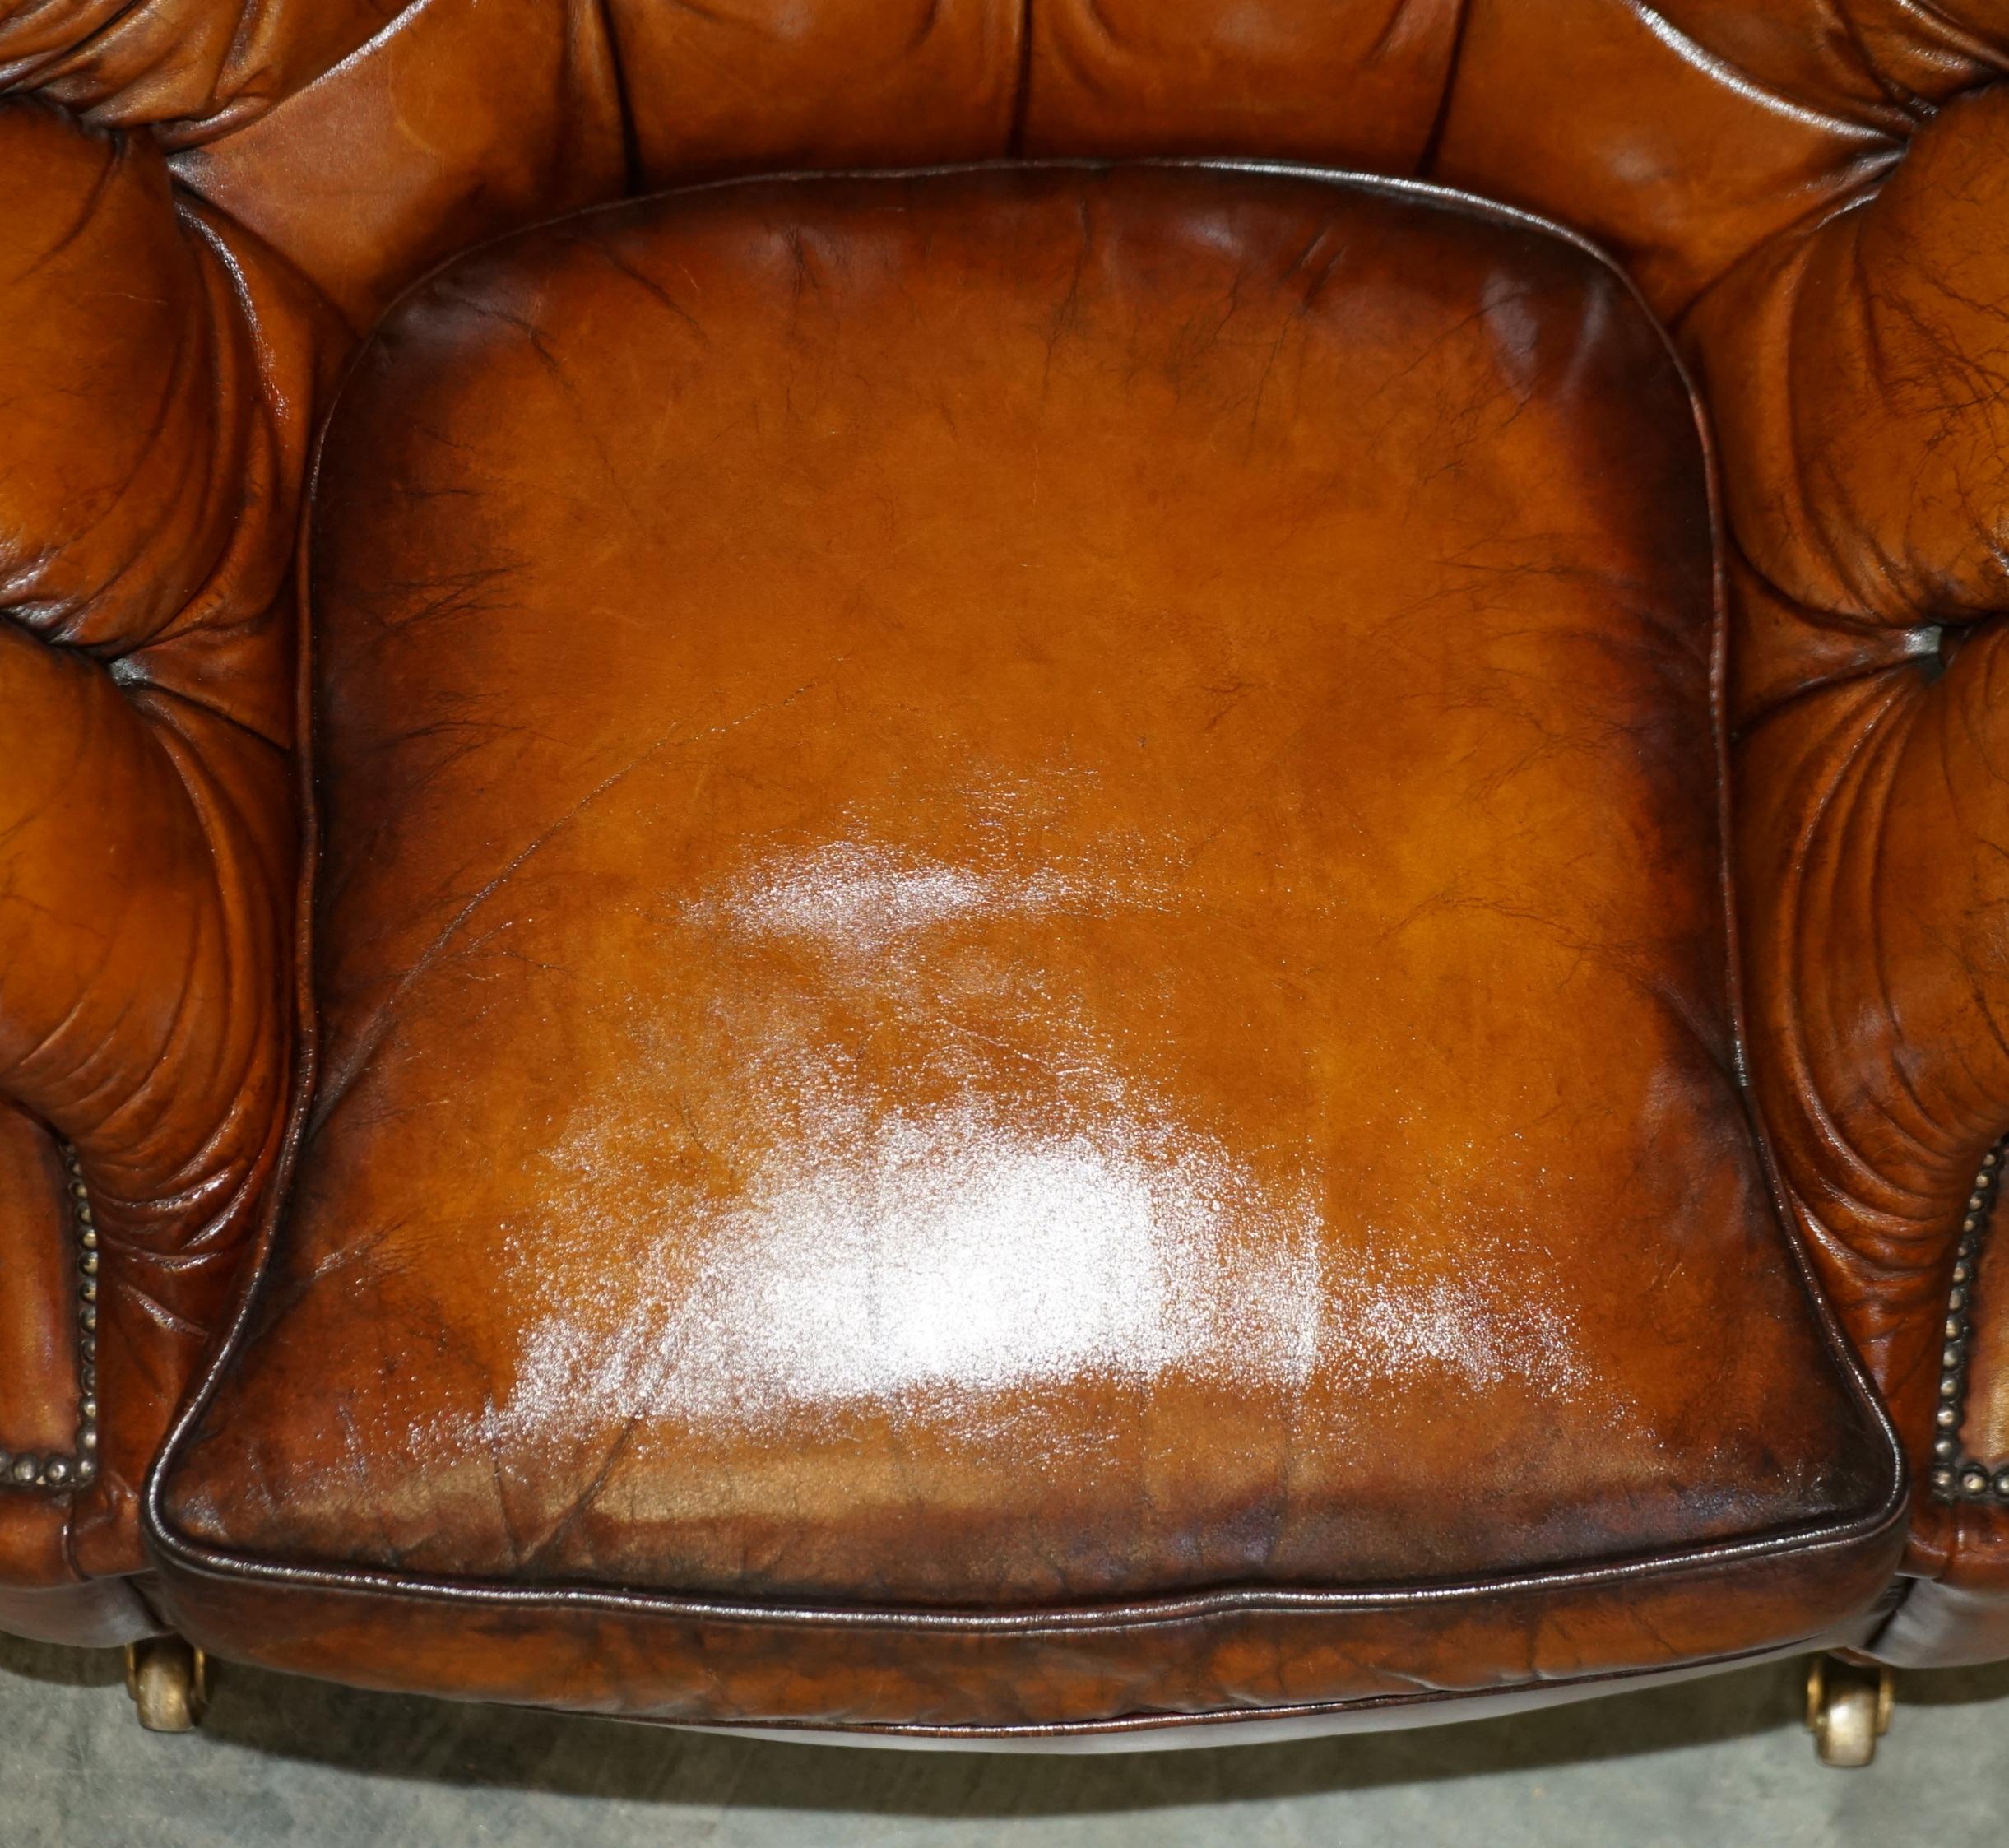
1426,162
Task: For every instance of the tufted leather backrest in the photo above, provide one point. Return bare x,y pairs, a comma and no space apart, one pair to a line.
1802,187
369,140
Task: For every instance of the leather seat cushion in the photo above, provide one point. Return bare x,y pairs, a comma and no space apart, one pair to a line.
1022,916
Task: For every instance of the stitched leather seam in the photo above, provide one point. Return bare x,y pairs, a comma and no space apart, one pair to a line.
1956,1476
31,1469
1795,1547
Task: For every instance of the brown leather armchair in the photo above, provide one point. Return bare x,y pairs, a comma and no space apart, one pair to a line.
1080,870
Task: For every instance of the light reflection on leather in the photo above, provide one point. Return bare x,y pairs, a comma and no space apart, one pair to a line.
917,1267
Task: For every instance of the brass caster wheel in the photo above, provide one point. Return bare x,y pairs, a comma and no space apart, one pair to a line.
168,1681
1848,1709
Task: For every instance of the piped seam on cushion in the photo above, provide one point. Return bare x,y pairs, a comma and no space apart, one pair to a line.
1885,1524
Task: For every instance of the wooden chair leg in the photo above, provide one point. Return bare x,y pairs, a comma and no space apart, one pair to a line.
168,1679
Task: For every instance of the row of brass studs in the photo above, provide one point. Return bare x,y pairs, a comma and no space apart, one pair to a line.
27,1469
1956,1478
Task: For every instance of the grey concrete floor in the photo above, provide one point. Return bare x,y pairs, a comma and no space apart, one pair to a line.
1719,1762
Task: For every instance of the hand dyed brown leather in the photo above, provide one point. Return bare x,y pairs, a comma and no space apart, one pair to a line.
156,385
847,1125
1020,973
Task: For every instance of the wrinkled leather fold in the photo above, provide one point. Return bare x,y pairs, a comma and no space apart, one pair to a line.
213,202
158,381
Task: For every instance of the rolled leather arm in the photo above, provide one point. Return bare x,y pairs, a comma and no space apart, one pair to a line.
196,68
157,382
1858,370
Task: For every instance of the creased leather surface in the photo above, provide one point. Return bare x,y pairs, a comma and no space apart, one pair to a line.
193,69
38,1344
416,146
749,86
154,445
1859,366
1725,151
1884,63
1681,137
1357,86
38,1293
1980,1559
1013,1033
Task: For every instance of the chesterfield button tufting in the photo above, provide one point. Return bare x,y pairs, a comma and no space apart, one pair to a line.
855,850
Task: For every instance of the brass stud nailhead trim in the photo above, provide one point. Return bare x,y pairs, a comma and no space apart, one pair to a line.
28,1469
1956,1477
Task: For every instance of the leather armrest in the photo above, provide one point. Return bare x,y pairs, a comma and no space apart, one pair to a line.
1858,370
155,388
